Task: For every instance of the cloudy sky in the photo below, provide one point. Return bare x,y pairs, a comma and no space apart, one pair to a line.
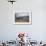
22,14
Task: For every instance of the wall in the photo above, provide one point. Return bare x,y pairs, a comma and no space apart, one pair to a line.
9,31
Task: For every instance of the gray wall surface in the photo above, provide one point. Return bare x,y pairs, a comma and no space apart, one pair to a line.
9,31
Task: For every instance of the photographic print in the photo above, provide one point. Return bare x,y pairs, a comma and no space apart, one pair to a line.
23,17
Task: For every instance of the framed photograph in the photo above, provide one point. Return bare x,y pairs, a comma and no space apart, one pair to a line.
23,17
